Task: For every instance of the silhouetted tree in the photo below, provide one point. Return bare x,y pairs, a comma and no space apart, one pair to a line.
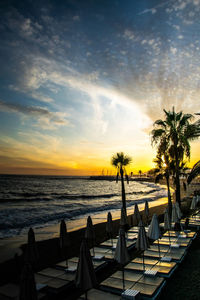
120,160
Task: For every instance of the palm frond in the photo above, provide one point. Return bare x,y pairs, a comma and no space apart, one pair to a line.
194,172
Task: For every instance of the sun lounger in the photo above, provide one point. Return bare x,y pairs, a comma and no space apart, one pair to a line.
107,254
177,254
95,294
177,241
56,279
148,287
164,269
11,291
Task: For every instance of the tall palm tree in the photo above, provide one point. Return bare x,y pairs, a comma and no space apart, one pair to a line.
174,135
120,160
163,170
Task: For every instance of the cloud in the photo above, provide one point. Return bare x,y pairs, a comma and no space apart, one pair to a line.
128,34
43,115
76,18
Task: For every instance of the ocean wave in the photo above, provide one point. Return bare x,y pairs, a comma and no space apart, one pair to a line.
27,217
57,196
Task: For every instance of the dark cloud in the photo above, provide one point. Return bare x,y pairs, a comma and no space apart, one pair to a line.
35,112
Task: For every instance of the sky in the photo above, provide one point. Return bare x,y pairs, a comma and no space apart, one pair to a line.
81,80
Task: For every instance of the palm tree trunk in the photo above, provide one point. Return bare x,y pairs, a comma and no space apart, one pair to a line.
169,196
123,189
178,194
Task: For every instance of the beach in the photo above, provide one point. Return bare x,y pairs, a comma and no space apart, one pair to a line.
48,241
41,202
10,246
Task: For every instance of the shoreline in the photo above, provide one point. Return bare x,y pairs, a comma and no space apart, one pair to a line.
10,246
49,249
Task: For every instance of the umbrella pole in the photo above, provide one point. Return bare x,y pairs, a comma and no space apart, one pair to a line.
86,295
159,248
143,263
93,242
169,238
123,278
111,239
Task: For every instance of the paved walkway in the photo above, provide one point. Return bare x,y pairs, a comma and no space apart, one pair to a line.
185,282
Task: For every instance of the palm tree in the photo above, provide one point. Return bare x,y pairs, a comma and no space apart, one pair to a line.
163,170
174,135
120,160
194,172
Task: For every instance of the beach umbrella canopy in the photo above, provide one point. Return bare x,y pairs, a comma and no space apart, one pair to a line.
109,224
27,284
142,242
64,239
175,218
121,252
136,215
124,220
154,229
167,224
85,275
194,203
89,232
146,210
178,210
31,253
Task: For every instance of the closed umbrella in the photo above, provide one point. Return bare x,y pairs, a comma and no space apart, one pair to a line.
178,210
154,231
121,252
64,240
89,232
142,242
85,275
167,223
146,211
136,215
175,218
194,203
31,253
27,284
109,226
124,220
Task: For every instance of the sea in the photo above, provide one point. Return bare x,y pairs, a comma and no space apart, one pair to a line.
40,201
